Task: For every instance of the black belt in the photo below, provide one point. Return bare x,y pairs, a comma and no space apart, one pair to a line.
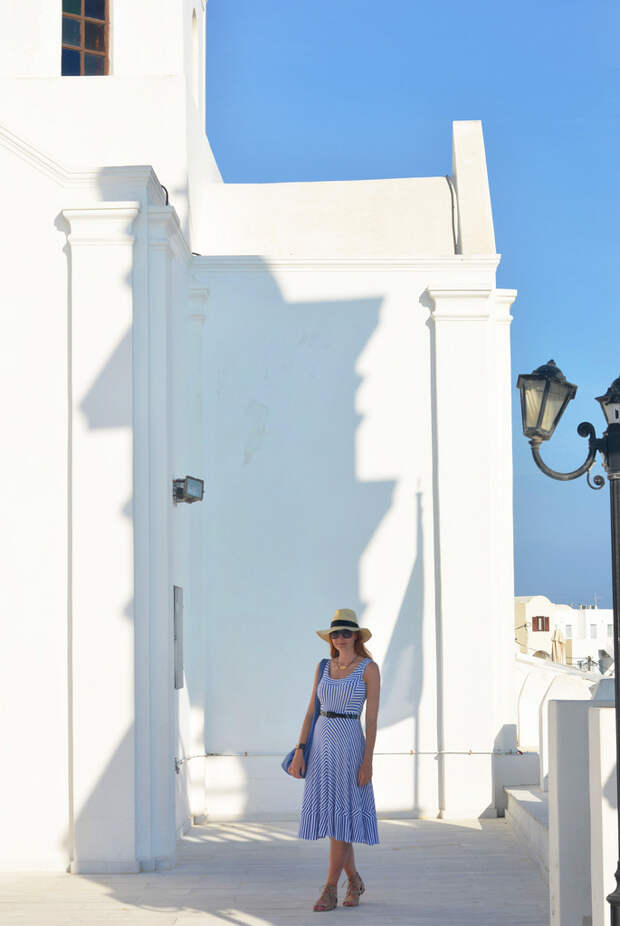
334,714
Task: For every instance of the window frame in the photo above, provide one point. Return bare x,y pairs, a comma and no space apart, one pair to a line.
82,18
540,624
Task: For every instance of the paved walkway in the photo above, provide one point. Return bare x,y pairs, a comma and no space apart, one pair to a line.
424,872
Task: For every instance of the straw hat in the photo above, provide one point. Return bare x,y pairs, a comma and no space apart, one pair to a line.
345,619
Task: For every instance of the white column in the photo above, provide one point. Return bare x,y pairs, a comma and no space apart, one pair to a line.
102,707
500,451
570,897
603,809
162,702
464,425
195,658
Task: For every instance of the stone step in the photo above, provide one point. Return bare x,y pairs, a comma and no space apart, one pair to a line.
527,810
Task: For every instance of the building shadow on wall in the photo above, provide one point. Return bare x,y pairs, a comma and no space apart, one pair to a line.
403,667
288,517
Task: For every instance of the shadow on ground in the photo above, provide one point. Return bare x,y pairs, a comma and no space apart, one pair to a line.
423,871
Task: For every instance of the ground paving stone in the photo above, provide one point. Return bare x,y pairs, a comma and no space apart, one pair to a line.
246,874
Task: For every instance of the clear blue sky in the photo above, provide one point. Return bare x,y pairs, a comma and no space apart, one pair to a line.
348,89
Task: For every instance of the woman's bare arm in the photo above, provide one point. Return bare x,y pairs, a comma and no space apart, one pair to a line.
373,685
298,766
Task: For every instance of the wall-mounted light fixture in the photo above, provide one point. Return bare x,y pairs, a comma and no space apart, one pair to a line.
190,489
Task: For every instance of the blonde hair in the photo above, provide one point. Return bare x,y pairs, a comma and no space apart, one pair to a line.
359,647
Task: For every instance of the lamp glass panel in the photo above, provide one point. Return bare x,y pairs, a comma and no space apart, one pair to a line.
194,487
533,394
612,412
555,400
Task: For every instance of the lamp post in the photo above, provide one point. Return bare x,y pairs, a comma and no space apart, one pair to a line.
545,393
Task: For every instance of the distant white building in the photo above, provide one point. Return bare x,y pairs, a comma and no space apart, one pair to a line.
586,632
326,357
589,633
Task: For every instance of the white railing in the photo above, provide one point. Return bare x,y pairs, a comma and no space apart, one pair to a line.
568,716
541,681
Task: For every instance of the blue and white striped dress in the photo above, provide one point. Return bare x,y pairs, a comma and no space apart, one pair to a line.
333,802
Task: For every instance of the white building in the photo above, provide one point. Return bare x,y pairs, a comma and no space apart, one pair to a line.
587,631
590,631
333,359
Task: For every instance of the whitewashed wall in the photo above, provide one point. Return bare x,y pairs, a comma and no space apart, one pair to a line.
340,440
315,369
34,379
143,112
101,415
323,486
102,334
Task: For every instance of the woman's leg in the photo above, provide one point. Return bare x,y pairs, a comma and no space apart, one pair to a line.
356,886
349,862
338,856
338,853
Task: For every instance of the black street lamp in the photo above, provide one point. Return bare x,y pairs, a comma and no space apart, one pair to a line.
545,393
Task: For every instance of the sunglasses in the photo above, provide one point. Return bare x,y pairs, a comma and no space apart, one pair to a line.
341,633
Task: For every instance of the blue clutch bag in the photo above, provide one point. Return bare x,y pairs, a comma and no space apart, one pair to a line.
288,758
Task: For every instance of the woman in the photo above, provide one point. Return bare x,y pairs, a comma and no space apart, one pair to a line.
338,798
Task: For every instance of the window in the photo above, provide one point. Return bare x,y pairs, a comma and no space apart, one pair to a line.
610,630
569,631
593,633
540,623
84,37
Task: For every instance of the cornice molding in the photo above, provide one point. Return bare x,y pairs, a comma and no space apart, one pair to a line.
33,156
92,178
445,294
258,264
131,177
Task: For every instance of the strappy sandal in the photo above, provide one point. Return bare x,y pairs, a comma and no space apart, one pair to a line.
328,899
355,889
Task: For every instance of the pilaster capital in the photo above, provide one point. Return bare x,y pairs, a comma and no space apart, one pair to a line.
502,301
107,223
163,228
459,305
